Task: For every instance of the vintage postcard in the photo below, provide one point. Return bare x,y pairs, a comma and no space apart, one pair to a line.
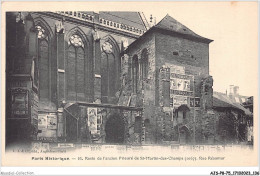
129,84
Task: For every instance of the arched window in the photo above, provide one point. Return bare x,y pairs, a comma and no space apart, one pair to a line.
138,124
144,63
43,64
135,69
109,72
146,122
76,69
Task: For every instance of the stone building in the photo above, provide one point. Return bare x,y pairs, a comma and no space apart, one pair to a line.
233,122
167,73
63,75
249,105
106,77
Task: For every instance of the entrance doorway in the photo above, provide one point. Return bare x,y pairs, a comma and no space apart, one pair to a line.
184,135
71,129
115,129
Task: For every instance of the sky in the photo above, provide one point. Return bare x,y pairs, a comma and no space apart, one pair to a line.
232,25
234,28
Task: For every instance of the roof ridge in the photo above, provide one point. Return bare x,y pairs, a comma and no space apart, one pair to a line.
162,19
170,23
144,20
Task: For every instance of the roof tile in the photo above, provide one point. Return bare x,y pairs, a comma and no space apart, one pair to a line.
171,24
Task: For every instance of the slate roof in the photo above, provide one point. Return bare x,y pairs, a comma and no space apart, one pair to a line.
133,19
168,23
171,24
128,18
223,101
249,101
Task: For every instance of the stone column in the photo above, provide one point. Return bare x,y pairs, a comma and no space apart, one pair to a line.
60,125
166,88
208,116
97,66
60,53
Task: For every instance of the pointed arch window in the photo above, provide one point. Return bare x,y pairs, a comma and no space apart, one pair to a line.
138,124
43,63
144,64
76,69
109,72
135,69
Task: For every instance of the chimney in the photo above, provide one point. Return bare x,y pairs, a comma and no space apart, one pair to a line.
236,90
231,89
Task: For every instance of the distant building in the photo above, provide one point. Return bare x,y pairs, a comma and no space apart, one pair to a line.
233,121
249,104
235,96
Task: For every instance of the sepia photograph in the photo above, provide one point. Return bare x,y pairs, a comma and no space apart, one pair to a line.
130,86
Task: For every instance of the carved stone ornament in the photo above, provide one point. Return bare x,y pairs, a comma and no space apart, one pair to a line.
207,84
20,16
125,42
59,27
107,47
95,35
76,41
41,32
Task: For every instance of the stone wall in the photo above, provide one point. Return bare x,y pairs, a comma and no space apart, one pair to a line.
21,116
122,122
93,54
58,42
146,89
154,92
193,55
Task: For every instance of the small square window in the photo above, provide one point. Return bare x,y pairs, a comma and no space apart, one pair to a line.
176,53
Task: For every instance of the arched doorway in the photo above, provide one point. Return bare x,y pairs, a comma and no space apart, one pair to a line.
184,133
115,129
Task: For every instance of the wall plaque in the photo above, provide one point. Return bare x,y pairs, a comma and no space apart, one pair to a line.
20,102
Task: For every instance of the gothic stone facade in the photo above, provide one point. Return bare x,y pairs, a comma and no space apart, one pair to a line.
71,77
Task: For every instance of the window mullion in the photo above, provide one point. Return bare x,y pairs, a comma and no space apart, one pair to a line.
76,73
108,78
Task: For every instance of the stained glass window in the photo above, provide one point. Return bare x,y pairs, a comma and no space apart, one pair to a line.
44,69
144,61
76,69
109,72
107,47
44,64
135,68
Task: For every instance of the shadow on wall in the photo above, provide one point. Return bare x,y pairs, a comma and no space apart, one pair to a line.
115,129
